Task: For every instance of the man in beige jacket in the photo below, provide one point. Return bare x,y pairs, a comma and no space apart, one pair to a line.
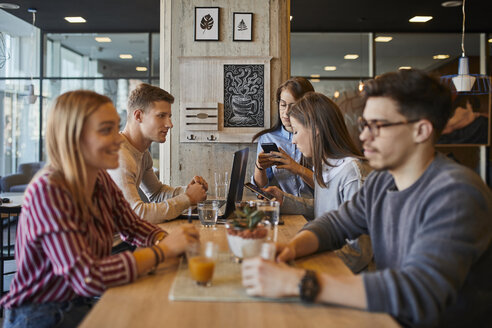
149,120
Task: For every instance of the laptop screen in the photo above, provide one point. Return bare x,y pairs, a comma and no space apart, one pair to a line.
236,185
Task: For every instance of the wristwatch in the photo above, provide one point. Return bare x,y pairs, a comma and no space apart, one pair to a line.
309,287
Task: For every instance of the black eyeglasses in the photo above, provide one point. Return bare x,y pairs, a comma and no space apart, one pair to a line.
374,126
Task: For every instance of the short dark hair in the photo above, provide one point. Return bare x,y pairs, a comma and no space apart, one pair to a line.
145,95
418,95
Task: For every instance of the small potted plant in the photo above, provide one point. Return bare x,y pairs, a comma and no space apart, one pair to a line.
247,231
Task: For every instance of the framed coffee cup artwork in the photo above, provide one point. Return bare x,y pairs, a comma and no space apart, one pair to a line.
244,100
207,23
243,27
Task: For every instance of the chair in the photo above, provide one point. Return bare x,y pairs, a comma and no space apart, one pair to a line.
18,182
9,218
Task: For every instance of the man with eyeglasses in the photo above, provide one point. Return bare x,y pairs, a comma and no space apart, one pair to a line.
429,218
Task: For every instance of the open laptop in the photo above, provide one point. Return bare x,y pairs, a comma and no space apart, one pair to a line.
236,187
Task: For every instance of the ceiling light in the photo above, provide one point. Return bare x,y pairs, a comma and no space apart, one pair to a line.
440,57
5,5
291,17
76,19
330,68
314,80
405,67
315,75
361,86
126,56
490,40
336,94
383,39
141,68
102,39
420,19
449,4
350,56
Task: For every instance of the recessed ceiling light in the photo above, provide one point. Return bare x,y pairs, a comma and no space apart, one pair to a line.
76,19
330,68
351,56
314,80
126,56
440,57
141,68
383,39
5,5
420,19
405,67
315,75
449,4
102,39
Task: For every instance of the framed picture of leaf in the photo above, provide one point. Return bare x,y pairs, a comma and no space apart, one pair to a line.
207,23
243,27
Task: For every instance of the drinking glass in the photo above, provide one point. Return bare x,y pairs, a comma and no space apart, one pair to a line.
268,251
272,213
221,181
208,212
201,262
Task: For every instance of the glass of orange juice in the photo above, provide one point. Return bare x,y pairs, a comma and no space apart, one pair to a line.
201,262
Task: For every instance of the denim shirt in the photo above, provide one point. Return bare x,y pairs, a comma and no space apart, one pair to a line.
284,179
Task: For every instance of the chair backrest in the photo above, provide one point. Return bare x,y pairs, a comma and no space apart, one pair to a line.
30,169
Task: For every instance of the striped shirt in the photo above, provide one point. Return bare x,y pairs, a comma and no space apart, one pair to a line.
60,256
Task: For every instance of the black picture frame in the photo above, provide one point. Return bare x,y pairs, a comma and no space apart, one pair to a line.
207,28
242,26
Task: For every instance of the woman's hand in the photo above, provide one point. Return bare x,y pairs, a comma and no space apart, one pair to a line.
269,279
265,160
196,193
275,191
284,161
177,241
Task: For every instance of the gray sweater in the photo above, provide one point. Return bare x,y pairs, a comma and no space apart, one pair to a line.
431,243
135,171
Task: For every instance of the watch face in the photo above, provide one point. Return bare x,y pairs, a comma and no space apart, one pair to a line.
309,287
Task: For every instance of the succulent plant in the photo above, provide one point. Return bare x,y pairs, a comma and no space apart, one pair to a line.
247,217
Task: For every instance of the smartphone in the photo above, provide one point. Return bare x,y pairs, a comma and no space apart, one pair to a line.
269,147
257,190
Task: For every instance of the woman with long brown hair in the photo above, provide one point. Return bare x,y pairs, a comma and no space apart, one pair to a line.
71,210
287,168
321,135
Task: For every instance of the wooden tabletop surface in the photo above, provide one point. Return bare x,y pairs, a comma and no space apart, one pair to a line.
145,302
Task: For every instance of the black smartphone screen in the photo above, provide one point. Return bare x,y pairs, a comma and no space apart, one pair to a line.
269,147
257,190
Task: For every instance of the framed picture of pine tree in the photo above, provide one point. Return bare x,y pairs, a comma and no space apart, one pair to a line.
243,27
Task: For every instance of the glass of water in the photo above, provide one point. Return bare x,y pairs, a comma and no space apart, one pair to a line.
272,213
208,212
271,210
221,185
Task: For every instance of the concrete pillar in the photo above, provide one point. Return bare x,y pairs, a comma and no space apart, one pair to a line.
271,37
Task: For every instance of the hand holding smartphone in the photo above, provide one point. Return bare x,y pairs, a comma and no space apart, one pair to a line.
269,147
257,190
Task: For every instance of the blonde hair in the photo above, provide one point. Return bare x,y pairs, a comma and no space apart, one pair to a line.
63,132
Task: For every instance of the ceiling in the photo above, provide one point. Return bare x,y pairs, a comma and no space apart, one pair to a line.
308,15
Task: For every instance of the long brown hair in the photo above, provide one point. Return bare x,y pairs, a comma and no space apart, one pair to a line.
330,136
63,131
297,86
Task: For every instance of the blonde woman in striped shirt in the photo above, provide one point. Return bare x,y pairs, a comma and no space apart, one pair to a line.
70,212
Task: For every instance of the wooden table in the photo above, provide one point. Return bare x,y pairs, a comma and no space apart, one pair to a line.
145,303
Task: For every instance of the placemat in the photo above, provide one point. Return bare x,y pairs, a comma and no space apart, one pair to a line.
226,284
